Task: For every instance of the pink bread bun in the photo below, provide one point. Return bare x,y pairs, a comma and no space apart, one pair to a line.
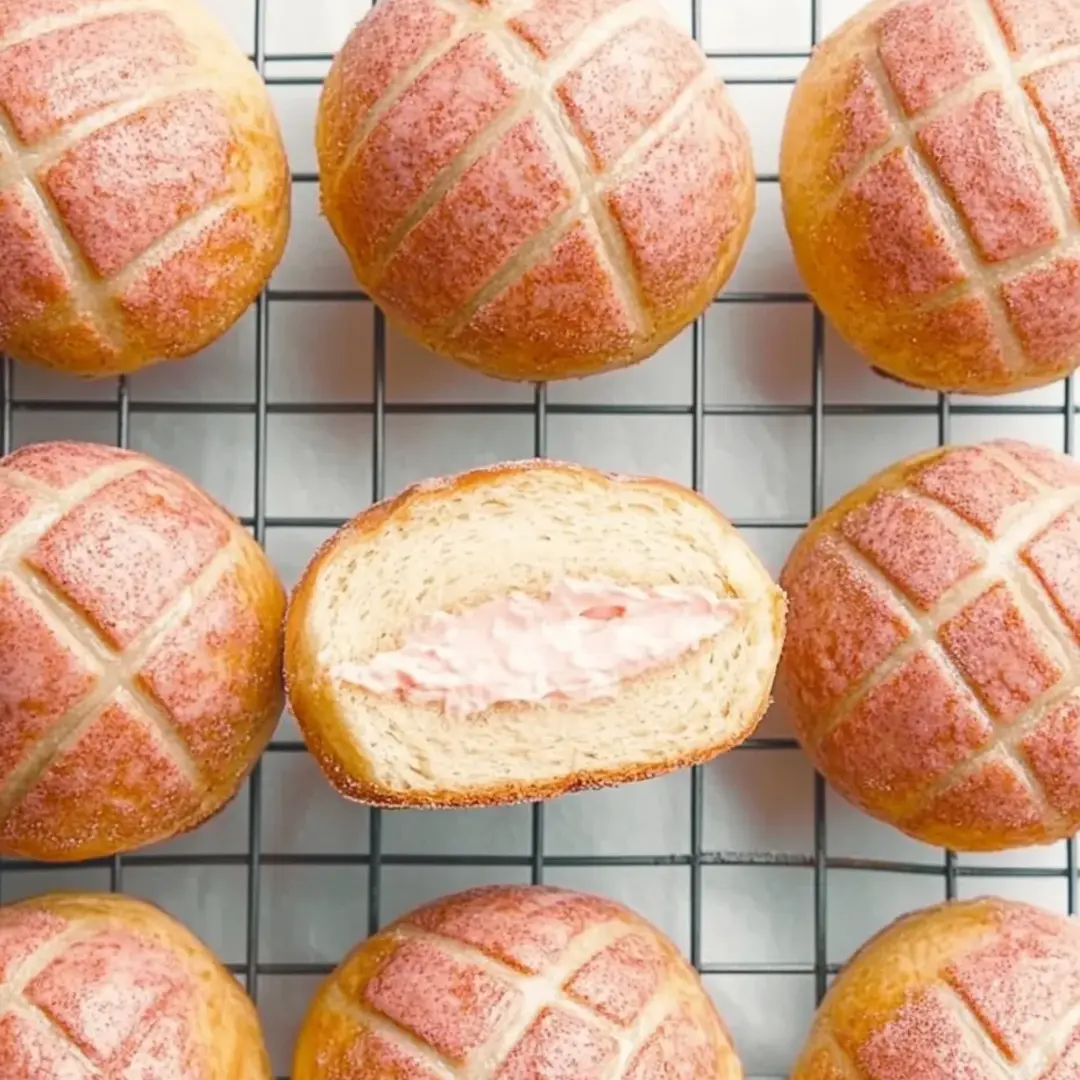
144,190
932,664
986,989
98,987
140,652
515,983
930,171
540,190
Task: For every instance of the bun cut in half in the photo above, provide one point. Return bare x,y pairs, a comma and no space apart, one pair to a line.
515,983
980,989
527,630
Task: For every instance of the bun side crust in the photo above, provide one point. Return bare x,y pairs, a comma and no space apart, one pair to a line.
633,995
974,987
150,991
318,708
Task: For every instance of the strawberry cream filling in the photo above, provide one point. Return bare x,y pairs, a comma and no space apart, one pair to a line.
577,643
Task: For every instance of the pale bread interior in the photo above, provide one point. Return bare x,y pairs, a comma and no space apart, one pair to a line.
456,548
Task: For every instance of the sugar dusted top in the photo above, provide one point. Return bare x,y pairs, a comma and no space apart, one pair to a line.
515,983
932,644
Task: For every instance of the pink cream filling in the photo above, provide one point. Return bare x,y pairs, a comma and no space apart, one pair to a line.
578,643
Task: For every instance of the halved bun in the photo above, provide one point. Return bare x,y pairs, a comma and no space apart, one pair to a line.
452,545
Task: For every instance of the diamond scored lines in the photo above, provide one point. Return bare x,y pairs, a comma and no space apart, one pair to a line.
56,78
527,929
554,984
985,160
925,1039
619,981
122,555
924,657
1003,658
470,1004
557,1044
979,488
43,674
983,989
1022,981
1037,27
988,153
117,779
929,49
919,552
624,87
448,106
109,1005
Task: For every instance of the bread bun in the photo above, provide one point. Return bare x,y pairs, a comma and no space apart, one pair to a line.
144,191
932,665
542,190
106,986
975,990
140,652
931,186
527,630
515,982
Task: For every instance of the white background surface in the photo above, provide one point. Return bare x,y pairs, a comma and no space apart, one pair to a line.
756,467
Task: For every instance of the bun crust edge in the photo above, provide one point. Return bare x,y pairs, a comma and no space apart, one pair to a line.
319,714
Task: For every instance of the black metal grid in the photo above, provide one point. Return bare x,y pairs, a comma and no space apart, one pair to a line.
536,859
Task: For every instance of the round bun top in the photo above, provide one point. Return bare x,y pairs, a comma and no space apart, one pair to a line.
539,190
514,982
97,987
977,990
144,190
931,186
932,662
140,651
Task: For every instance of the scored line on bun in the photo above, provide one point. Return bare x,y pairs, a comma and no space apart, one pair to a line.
930,192
444,548
552,975
129,193
121,663
932,626
571,218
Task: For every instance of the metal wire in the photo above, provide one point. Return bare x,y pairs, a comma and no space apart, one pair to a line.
951,870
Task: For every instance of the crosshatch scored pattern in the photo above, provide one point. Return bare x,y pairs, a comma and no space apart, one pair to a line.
988,272
926,110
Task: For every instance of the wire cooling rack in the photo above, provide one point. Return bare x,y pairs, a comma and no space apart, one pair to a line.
743,873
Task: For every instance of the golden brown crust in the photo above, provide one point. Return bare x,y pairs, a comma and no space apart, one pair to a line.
318,713
911,999
162,656
605,984
122,982
581,246
922,215
929,661
164,187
